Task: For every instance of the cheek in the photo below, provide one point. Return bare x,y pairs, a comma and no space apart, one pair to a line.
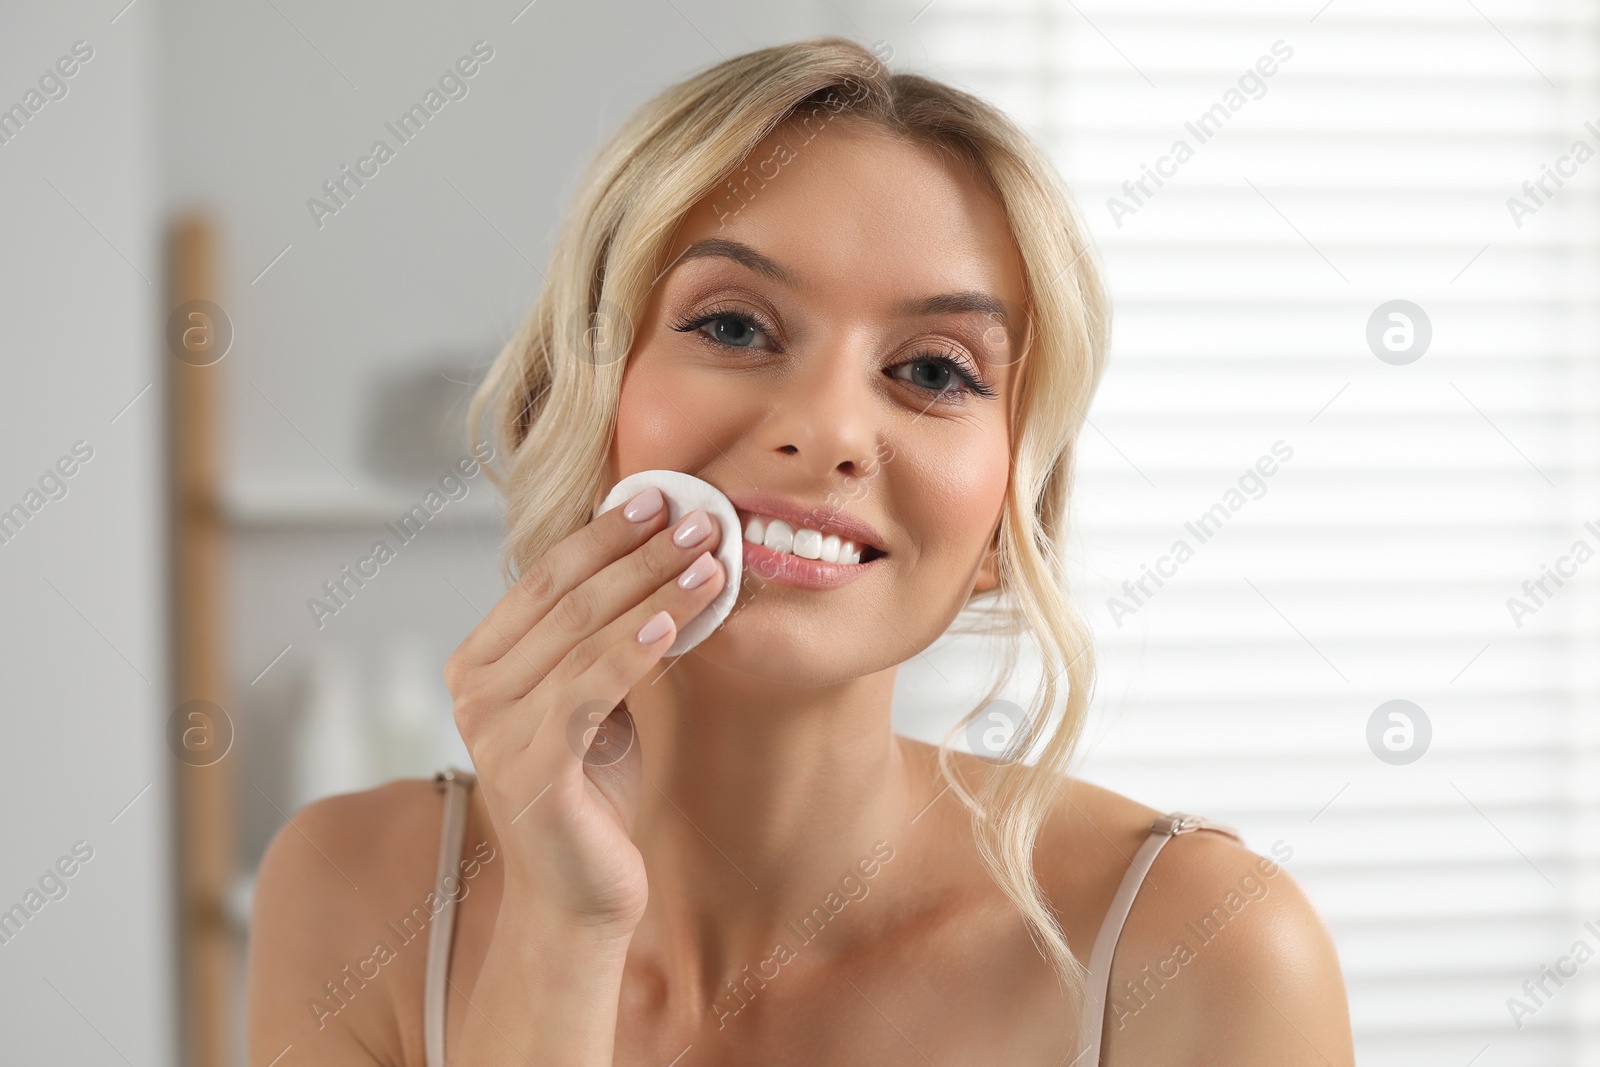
647,426
670,418
961,492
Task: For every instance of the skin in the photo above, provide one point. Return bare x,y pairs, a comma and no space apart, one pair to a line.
764,765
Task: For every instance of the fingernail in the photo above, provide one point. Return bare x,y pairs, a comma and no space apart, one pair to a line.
695,527
655,628
644,505
702,569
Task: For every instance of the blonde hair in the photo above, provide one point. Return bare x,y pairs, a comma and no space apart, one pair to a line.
551,395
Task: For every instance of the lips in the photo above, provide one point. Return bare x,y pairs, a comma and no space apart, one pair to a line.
786,568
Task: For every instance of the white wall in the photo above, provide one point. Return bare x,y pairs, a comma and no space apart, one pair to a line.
82,640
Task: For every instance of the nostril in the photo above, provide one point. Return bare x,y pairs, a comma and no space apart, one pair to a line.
789,450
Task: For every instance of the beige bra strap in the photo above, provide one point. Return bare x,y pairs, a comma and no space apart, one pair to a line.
1162,830
456,784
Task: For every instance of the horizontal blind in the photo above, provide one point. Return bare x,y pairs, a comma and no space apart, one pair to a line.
1375,561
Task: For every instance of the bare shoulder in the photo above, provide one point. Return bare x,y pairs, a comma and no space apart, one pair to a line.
1223,958
331,877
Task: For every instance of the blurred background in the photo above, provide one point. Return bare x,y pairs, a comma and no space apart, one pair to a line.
1337,513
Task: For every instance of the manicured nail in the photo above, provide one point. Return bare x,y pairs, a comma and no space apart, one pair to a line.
644,505
702,568
655,628
695,527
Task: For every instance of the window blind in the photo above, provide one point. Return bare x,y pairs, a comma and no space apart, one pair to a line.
1395,152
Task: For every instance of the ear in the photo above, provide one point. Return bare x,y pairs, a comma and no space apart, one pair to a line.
989,570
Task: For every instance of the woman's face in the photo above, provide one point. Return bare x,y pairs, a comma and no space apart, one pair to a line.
834,345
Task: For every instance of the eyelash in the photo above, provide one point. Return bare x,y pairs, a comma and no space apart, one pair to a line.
971,381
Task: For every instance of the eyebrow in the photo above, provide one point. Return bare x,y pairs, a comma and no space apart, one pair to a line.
964,302
740,253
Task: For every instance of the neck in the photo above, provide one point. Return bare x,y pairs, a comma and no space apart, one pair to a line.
755,801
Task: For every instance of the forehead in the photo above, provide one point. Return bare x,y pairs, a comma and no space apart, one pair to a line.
855,212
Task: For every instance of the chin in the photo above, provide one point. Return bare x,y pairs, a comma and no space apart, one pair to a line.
772,645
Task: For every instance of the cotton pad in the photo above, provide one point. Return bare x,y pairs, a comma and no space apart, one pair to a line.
685,493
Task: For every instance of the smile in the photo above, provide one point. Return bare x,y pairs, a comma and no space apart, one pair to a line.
804,542
808,547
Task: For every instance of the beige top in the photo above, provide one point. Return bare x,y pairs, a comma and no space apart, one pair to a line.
456,784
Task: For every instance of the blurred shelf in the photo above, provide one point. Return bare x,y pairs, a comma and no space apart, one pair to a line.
264,504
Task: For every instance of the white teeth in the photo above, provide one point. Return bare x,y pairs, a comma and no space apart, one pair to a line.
779,536
808,544
804,542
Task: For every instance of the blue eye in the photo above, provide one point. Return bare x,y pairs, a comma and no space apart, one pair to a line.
736,330
741,329
730,328
941,375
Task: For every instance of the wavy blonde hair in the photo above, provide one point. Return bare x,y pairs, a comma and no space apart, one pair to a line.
551,395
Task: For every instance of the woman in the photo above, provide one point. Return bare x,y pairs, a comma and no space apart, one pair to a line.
857,303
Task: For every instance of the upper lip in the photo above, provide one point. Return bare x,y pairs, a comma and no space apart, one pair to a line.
823,518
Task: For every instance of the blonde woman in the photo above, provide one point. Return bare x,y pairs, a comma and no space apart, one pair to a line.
858,303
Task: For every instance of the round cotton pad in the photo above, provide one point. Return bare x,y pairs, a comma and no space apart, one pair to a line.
685,493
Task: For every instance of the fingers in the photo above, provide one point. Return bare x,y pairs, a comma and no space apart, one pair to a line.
606,538
599,670
594,603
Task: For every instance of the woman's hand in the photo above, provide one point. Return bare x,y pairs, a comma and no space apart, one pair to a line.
533,685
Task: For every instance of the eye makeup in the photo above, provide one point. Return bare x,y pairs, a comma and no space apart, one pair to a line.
953,360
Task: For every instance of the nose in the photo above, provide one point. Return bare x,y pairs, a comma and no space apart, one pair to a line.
823,418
